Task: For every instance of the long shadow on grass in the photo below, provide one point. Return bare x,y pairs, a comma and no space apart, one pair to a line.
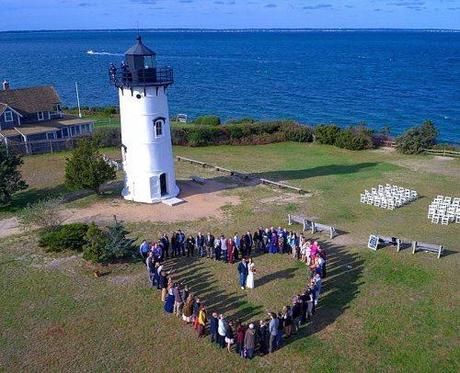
340,287
219,183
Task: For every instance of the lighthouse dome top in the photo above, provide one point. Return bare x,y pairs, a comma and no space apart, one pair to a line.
139,49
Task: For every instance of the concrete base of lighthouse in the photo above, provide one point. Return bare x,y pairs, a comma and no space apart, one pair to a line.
150,188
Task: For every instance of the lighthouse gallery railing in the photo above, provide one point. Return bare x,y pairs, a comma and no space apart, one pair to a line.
124,77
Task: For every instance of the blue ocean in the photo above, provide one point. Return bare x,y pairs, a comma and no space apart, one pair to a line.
383,78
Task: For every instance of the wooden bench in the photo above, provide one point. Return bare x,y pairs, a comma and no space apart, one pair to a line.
281,185
318,227
306,224
427,247
198,180
309,224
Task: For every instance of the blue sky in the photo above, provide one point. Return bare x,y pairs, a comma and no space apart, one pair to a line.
102,14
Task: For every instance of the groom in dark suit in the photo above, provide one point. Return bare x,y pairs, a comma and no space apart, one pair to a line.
243,271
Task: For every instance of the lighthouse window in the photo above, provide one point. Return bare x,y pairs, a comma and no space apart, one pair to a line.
158,127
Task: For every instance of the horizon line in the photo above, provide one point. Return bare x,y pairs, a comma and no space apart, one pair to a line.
241,29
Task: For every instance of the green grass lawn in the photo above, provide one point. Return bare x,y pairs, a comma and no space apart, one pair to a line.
380,311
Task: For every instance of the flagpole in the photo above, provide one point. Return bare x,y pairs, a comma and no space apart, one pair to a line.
78,99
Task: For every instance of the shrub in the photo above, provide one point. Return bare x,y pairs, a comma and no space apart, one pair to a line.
326,133
86,169
298,133
96,241
202,135
118,245
107,136
415,139
45,214
261,139
178,135
108,245
66,237
355,138
237,131
241,121
207,120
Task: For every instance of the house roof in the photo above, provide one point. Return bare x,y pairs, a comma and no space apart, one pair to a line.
2,108
139,49
42,127
29,100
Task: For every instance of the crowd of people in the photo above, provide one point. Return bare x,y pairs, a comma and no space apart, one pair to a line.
263,336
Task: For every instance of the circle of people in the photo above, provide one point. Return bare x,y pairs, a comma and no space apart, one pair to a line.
264,336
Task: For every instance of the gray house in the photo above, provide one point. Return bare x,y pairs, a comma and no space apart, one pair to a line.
32,116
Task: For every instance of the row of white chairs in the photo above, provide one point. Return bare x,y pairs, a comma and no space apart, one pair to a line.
444,210
388,197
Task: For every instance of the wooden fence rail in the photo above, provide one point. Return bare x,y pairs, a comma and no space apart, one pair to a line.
241,175
442,152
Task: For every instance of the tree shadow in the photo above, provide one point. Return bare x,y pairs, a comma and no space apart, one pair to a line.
32,195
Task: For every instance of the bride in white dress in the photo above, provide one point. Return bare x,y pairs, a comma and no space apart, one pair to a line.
251,272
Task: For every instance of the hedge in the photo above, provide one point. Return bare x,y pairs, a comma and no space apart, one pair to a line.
66,237
253,133
207,120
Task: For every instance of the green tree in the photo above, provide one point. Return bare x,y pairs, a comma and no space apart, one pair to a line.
415,139
10,177
86,168
95,248
119,246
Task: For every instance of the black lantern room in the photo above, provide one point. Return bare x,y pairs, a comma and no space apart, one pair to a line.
139,69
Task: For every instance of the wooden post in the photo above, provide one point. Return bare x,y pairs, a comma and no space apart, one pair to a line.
414,246
398,245
331,232
439,252
304,223
289,219
313,228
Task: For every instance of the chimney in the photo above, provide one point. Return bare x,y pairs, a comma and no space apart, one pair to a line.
6,85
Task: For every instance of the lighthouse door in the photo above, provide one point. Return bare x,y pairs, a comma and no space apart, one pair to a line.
163,188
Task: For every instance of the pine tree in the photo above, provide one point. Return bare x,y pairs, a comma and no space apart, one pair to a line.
95,249
10,177
86,169
119,246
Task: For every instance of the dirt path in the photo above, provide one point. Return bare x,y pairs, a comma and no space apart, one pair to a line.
201,201
437,165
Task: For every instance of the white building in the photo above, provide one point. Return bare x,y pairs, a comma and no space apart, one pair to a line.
145,130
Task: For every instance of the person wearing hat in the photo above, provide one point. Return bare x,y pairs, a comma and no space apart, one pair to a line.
250,341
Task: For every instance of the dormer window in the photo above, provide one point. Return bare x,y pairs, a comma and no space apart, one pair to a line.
41,115
8,115
158,126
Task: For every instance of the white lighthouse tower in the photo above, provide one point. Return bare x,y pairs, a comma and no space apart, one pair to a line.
147,154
